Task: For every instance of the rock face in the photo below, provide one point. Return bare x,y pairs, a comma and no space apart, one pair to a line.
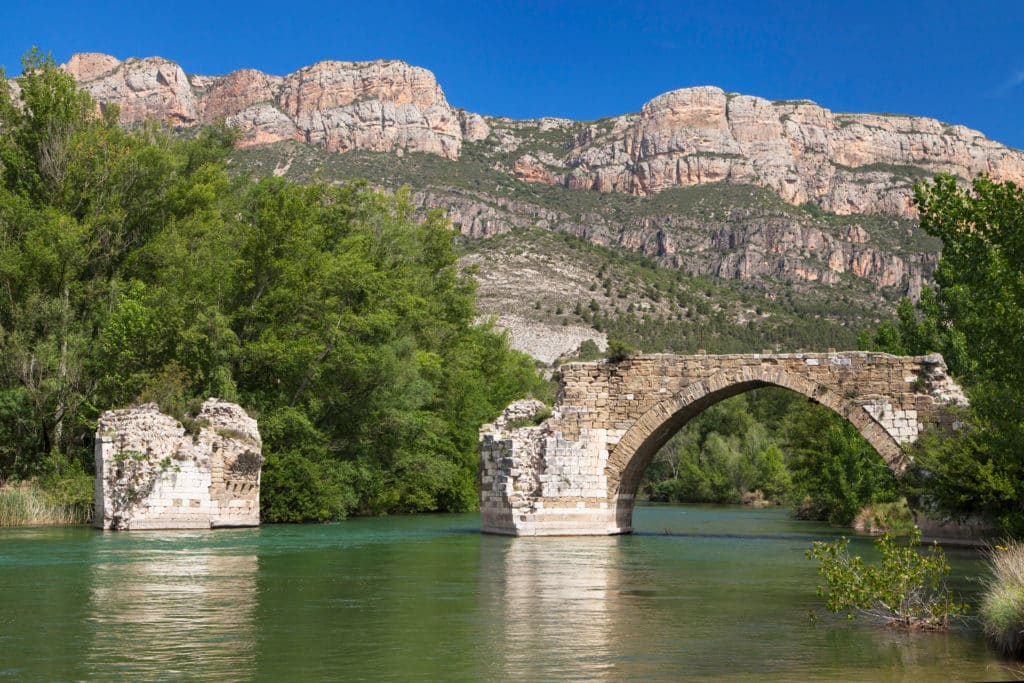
151,88
153,474
376,106
340,106
844,163
746,244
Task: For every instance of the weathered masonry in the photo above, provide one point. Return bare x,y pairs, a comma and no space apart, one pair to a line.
152,473
577,473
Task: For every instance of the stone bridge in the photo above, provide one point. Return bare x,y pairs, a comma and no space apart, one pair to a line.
577,473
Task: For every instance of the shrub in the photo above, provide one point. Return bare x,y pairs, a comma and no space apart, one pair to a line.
296,488
589,350
619,351
1002,602
533,421
882,518
907,591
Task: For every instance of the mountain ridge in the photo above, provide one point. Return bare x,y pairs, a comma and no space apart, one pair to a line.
847,163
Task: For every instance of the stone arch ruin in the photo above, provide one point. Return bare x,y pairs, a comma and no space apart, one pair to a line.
578,472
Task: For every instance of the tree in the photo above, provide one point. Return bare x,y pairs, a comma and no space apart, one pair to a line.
134,268
976,320
835,471
78,197
920,330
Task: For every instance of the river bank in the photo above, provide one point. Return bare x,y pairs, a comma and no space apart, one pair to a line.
28,504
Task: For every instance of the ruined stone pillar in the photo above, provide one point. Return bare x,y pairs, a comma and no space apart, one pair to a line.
153,473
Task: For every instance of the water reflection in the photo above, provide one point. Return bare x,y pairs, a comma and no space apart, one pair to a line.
555,597
698,604
163,613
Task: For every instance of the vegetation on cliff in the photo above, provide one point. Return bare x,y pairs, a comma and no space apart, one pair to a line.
134,267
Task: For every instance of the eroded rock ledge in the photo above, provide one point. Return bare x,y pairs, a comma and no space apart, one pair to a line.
153,473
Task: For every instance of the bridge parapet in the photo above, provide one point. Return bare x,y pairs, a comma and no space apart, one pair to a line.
578,472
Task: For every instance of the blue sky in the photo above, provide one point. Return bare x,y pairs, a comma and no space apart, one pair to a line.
961,62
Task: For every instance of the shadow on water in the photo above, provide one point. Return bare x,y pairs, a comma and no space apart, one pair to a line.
747,537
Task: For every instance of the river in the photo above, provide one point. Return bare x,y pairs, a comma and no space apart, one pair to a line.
699,593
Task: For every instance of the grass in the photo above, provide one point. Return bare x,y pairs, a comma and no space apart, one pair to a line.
885,518
29,505
533,421
1002,602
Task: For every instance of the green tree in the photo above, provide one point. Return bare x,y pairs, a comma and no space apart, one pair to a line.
919,330
835,471
720,455
976,320
78,196
134,268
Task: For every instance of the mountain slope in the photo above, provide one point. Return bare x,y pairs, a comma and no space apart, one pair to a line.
844,163
792,215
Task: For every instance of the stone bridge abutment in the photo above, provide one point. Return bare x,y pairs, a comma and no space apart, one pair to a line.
578,472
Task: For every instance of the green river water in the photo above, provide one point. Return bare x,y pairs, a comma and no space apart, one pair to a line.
699,593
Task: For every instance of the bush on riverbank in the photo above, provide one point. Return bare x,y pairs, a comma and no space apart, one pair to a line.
885,518
1002,603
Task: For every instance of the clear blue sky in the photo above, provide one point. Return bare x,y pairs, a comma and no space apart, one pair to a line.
961,62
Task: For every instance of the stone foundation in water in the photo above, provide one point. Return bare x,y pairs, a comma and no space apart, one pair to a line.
151,473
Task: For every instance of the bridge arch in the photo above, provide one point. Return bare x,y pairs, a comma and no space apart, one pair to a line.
630,457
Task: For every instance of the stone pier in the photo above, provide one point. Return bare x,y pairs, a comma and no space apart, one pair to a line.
152,473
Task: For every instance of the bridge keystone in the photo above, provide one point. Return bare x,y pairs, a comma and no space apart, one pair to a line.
577,473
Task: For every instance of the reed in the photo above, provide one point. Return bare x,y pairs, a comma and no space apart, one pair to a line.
1002,602
27,505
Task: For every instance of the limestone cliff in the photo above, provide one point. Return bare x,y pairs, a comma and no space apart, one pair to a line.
844,163
379,106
